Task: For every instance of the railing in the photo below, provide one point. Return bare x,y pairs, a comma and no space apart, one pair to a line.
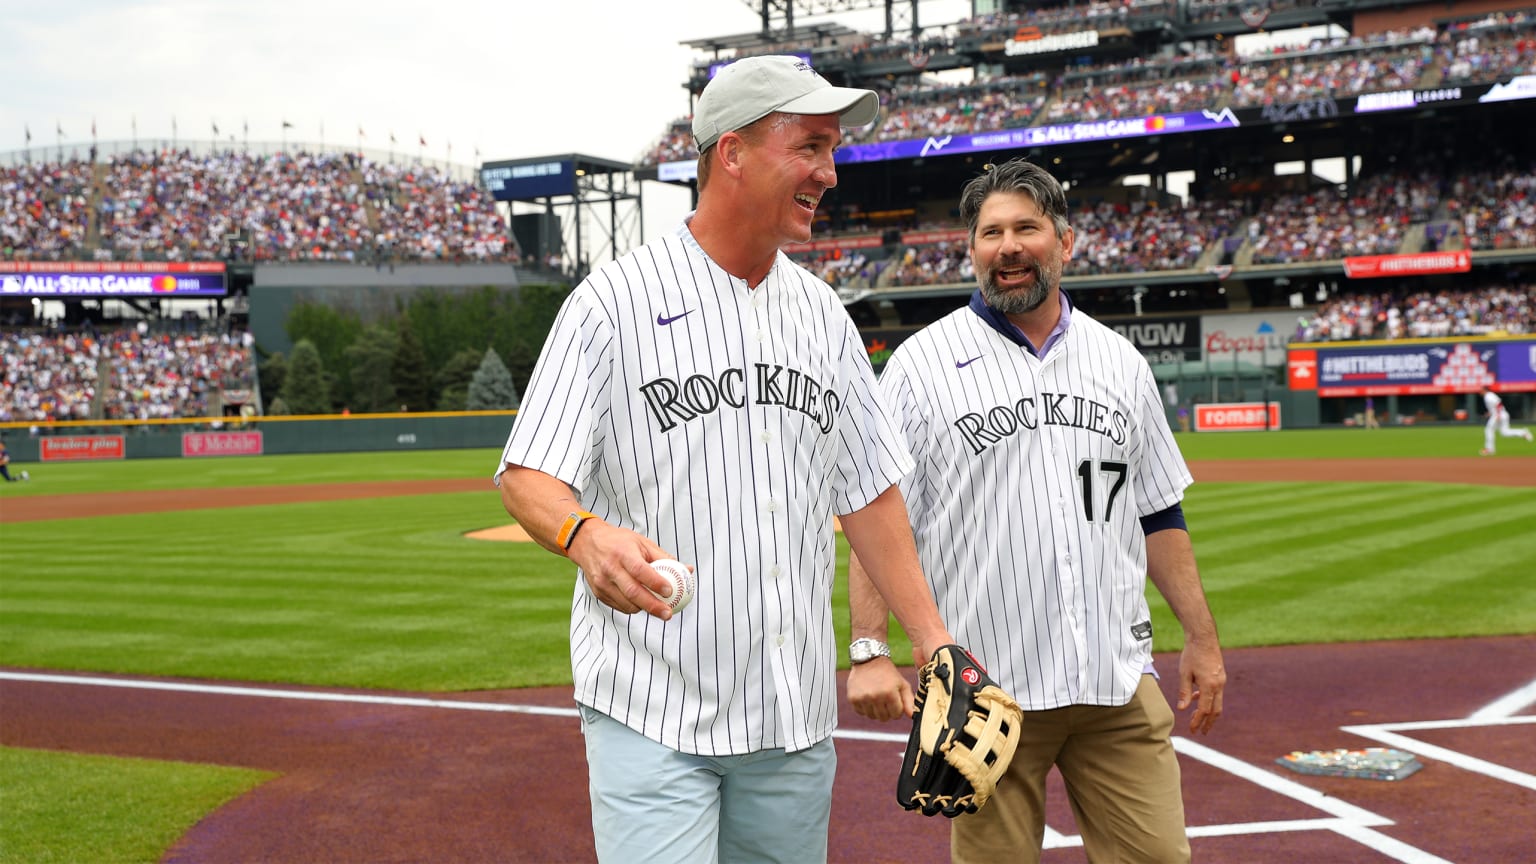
94,151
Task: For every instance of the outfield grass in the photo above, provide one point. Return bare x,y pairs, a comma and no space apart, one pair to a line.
227,472
1396,442
66,808
388,593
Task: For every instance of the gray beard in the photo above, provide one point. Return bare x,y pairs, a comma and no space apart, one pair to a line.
1016,302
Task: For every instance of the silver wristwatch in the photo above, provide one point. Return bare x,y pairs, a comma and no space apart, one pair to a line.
865,650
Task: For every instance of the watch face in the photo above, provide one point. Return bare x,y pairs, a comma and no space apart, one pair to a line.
864,650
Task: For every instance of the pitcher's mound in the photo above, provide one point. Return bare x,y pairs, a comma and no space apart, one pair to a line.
516,534
505,533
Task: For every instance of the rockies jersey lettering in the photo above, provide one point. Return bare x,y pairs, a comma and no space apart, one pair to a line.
729,425
1032,475
672,404
999,422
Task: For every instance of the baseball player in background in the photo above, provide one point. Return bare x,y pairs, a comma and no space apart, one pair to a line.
1498,420
5,471
704,398
1047,491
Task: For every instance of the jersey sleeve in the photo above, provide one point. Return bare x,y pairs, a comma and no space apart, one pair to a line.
871,456
556,429
1162,476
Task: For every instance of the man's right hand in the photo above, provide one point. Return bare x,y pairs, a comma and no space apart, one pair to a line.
617,565
879,691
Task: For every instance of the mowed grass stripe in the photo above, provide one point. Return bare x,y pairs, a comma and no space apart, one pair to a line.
1341,562
1284,508
390,582
1372,514
388,593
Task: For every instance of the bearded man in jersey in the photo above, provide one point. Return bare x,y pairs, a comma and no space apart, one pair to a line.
704,398
1047,491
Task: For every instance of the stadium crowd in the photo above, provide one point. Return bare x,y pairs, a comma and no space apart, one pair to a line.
1385,315
124,373
44,209
177,205
1498,45
1493,209
173,204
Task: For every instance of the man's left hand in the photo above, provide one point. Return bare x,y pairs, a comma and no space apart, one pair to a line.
1202,681
879,691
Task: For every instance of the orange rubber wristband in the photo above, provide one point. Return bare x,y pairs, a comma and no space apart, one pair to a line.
573,523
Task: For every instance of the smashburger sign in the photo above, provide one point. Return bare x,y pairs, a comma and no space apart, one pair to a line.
1237,417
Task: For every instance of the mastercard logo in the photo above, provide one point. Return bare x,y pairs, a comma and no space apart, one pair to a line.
163,284
1156,124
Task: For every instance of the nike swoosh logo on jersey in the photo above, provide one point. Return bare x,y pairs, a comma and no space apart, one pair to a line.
961,364
662,320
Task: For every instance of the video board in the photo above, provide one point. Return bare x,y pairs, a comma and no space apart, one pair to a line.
159,279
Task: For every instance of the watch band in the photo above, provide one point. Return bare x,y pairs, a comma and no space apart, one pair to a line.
572,524
865,650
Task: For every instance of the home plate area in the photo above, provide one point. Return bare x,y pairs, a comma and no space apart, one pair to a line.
1477,761
365,776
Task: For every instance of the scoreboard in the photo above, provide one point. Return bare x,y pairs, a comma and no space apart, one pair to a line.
529,179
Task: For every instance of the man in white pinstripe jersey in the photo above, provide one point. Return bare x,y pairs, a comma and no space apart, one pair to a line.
1047,491
706,399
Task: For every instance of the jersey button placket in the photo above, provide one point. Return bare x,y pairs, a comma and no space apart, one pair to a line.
1071,593
759,330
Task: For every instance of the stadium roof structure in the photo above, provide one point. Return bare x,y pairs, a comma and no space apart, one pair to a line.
785,10
757,39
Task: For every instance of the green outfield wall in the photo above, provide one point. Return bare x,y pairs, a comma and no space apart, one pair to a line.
161,439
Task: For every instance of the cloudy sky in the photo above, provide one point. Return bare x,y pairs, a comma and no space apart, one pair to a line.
511,78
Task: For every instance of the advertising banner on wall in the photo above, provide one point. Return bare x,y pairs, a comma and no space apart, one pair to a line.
1418,264
1414,369
1301,369
880,342
1162,338
156,279
221,444
1237,417
80,448
1254,338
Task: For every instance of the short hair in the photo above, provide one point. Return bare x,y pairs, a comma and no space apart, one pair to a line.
1015,175
752,132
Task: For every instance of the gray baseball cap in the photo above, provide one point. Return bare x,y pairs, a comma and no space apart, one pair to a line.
751,89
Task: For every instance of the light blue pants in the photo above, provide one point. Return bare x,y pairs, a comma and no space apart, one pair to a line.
651,803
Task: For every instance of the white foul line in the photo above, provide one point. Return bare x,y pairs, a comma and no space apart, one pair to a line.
1277,784
1348,820
301,695
1507,705
1384,733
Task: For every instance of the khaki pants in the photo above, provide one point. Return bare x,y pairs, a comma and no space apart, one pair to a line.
1122,779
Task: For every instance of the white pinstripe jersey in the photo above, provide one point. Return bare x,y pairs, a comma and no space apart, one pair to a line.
728,425
1031,477
1493,403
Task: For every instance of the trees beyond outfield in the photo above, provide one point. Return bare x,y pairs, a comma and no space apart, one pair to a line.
427,355
306,389
492,389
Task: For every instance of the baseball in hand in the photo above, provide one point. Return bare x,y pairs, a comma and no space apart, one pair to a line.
682,580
